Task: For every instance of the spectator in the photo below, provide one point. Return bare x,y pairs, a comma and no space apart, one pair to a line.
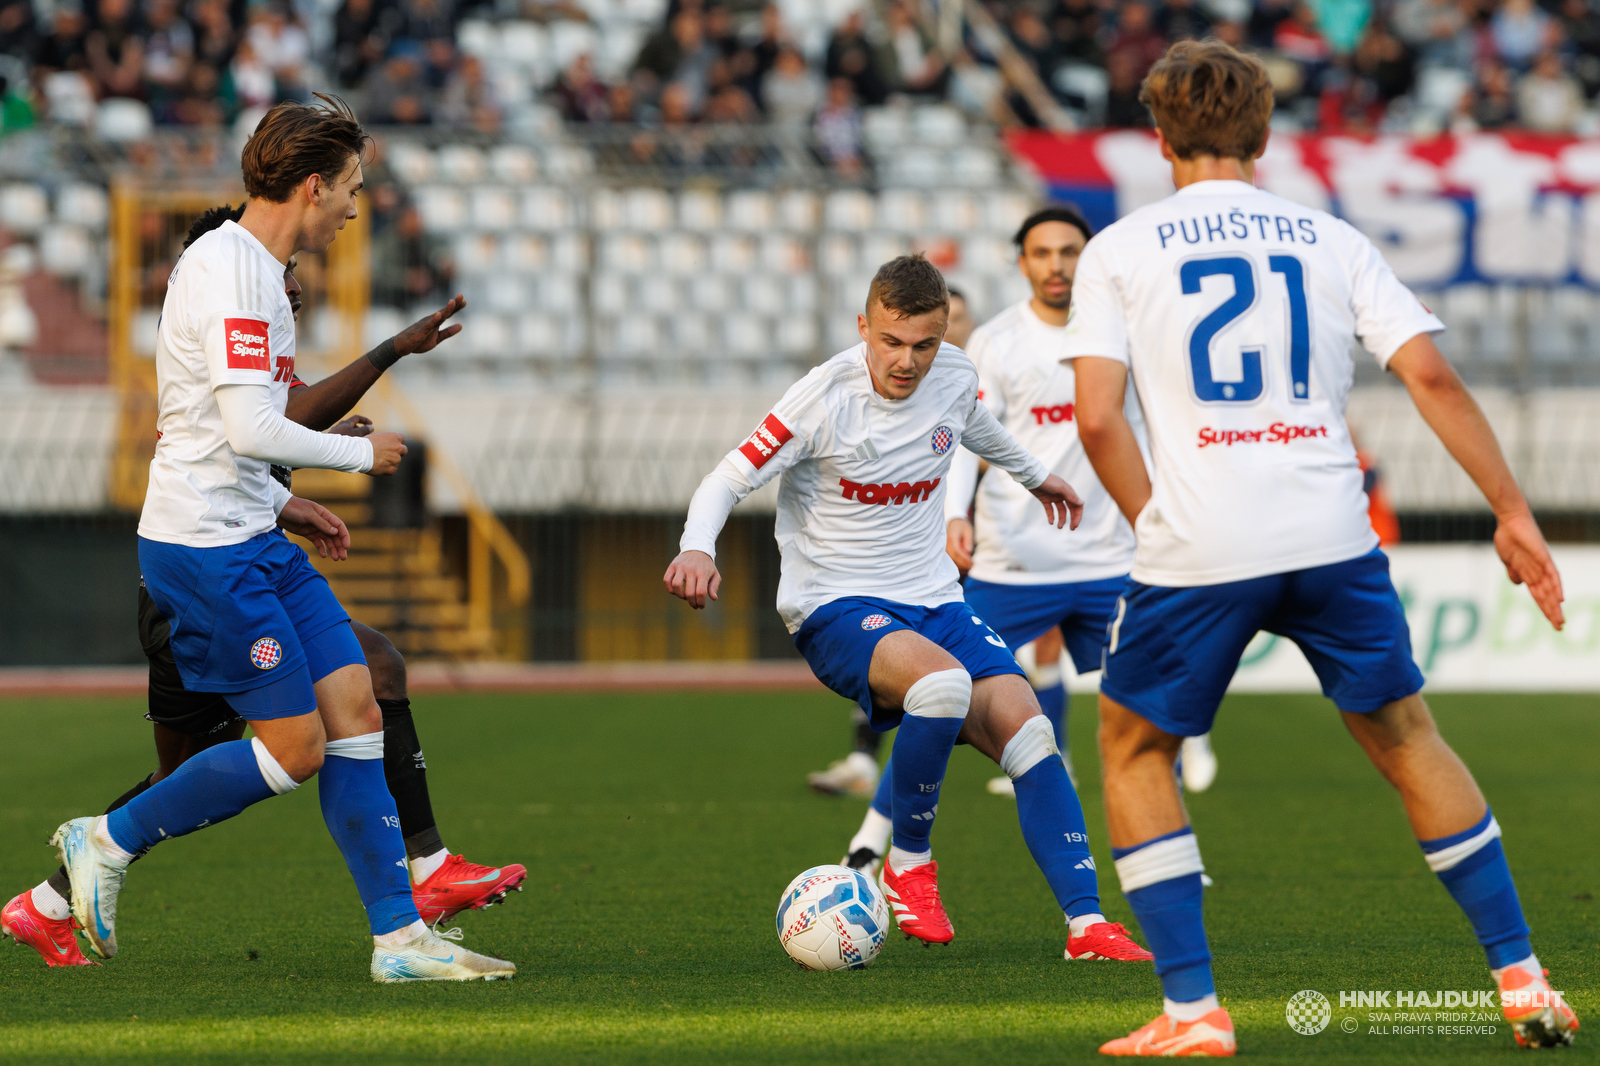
979,90
850,56
169,49
1438,30
252,79
620,104
215,36
1136,40
1182,20
428,20
205,101
1549,99
1384,62
727,102
1033,41
115,47
1342,22
1580,23
357,44
1266,17
63,47
283,45
1124,76
19,33
839,129
396,93
1300,38
1520,31
680,54
470,99
1490,105
907,58
1077,27
581,96
791,91
404,273
764,53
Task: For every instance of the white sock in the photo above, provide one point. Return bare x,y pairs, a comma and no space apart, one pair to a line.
422,869
1191,1011
901,861
1078,923
48,902
113,850
1529,964
874,833
401,937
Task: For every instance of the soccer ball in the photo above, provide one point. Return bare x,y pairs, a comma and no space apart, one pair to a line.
832,918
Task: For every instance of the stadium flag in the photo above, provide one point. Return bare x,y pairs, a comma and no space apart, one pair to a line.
1498,208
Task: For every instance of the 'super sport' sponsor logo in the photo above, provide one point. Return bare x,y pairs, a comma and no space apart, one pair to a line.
1277,433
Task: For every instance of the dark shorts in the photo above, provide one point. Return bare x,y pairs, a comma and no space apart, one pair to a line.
1170,652
195,714
1022,613
838,640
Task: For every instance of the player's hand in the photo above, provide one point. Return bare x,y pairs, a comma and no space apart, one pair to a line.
425,334
1527,559
354,426
317,524
958,543
1060,502
693,577
387,448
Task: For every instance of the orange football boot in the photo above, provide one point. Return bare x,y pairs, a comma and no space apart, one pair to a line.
458,885
1538,1017
1208,1036
52,938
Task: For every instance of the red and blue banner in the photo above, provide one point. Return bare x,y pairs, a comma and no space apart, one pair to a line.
1499,208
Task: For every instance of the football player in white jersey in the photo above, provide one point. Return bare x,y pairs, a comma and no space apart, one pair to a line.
1234,311
863,444
248,615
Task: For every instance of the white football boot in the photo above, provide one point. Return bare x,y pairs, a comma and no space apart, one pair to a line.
96,882
432,957
1199,763
854,775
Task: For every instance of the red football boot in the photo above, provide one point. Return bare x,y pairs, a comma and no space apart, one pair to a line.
1210,1036
1106,941
459,885
1538,1016
914,897
53,939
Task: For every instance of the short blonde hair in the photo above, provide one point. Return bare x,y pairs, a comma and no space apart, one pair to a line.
1209,99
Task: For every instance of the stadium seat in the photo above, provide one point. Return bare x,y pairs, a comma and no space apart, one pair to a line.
546,208
606,209
797,334
699,209
609,295
658,294
523,253
461,163
976,167
988,255
569,40
70,98
849,210
1085,88
885,129
561,161
79,203
413,162
691,334
681,254
627,253
477,37
1006,210
569,253
65,250
919,166
634,335
939,124
493,208
537,335
802,293
902,209
123,121
798,210
142,331
381,324
732,253
619,46
487,337
838,254
764,293
751,210
646,11
558,293
505,293
746,334
23,207
515,164
647,209
523,44
878,247
952,211
476,254
783,254
711,292
441,208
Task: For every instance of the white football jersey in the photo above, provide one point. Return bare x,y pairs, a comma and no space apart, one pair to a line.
1022,379
861,501
1235,311
225,321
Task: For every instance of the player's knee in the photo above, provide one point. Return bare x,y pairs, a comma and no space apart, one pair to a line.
291,764
384,662
1029,746
941,694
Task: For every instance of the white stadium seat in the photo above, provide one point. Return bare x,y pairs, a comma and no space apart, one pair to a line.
461,163
558,293
414,163
746,334
628,253
879,247
938,124
647,209
658,294
699,209
850,210
505,293
546,208
711,292
515,164
1006,210
123,121
799,211
635,335
23,207
525,44
143,330
493,208
569,253
751,210
692,336
476,37
976,166
537,334
920,166
681,254
524,254
381,324
606,210
783,254
764,293
476,254
838,254
569,40
65,250
797,334
79,203
732,253
487,336
952,211
609,294
442,209
988,255
902,209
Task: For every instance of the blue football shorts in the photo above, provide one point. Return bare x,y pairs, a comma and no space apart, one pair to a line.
1022,613
1170,652
253,620
838,640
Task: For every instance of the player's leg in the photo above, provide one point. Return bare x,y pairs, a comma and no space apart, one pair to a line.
857,773
444,885
1040,660
871,842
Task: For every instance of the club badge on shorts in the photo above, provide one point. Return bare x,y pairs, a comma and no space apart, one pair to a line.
266,653
874,621
942,440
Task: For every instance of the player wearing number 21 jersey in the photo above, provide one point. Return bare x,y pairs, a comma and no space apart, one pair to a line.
863,446
1235,311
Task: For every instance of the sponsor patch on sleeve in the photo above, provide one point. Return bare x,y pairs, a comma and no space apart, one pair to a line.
246,339
764,443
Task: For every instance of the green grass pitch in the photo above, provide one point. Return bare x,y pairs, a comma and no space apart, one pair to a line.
659,831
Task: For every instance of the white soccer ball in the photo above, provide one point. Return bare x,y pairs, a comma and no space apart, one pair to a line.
832,918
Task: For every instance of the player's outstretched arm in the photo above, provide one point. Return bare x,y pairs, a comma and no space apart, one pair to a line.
1454,416
317,524
257,431
1062,504
693,578
1108,439
319,406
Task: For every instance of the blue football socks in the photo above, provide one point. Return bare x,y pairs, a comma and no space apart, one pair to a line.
921,754
1053,702
361,818
883,799
1169,910
210,787
1054,829
1472,866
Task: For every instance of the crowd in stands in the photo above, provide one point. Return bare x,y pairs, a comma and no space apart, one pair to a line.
1348,65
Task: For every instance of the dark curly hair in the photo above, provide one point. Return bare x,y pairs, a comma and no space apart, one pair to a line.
213,219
